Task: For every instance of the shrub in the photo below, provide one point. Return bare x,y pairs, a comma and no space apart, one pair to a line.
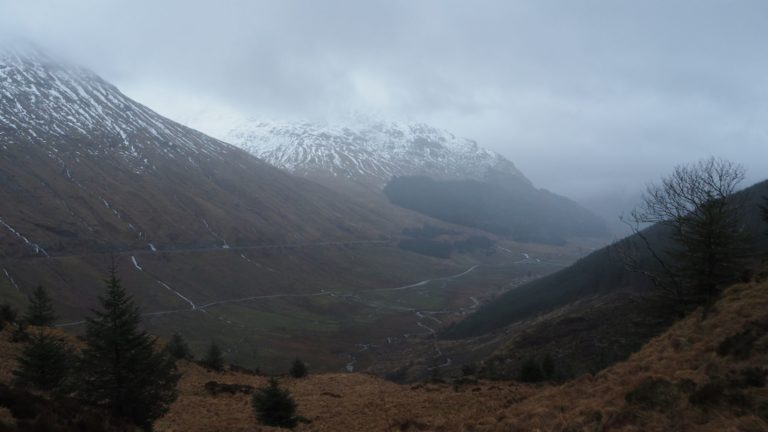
654,393
715,393
762,410
740,344
473,243
409,424
298,369
435,377
177,347
530,372
20,333
274,406
213,359
548,367
468,369
749,377
433,248
244,370
214,388
398,375
8,314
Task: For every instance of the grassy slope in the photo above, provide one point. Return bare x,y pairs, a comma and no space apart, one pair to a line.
358,402
600,273
686,353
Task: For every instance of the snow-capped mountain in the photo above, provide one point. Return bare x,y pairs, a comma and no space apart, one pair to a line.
370,151
47,102
99,170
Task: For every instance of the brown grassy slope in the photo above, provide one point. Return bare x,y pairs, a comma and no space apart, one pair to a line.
688,351
685,358
683,361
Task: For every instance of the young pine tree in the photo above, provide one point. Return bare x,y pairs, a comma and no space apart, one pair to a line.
274,406
213,359
45,364
120,368
298,369
548,366
530,372
7,314
177,347
40,311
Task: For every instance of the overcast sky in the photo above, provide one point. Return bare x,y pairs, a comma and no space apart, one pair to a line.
586,97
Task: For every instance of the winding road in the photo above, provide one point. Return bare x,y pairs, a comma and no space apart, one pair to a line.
193,307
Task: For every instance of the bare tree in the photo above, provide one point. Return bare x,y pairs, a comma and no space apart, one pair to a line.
698,205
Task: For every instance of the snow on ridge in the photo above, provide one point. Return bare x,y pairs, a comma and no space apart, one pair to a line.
45,100
369,149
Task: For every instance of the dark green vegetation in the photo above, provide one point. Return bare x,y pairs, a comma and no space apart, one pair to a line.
655,394
32,412
516,210
434,248
119,367
40,310
177,347
530,372
425,241
274,406
213,359
602,272
7,315
298,369
45,364
597,311
119,371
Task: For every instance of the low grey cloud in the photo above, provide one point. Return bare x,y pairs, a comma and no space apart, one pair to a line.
587,98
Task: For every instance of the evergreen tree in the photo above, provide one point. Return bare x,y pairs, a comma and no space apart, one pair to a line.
468,370
548,366
45,364
7,314
298,369
40,311
530,372
120,368
20,333
177,347
274,406
213,359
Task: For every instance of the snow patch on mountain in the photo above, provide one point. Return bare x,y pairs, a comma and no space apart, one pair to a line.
371,151
46,101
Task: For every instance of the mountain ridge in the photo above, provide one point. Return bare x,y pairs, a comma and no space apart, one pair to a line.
371,151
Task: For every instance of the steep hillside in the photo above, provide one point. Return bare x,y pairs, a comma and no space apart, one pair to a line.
521,212
404,160
700,375
210,240
588,315
85,168
601,272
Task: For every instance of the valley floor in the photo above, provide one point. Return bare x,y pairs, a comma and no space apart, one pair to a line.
683,380
701,375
